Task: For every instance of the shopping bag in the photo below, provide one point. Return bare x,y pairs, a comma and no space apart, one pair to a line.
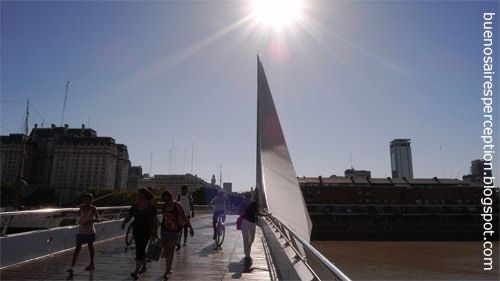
154,249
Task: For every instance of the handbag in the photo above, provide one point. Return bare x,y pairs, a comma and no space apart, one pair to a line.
238,222
154,249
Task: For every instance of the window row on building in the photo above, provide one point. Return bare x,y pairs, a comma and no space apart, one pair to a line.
65,159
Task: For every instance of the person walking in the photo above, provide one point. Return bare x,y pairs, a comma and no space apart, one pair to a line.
249,211
173,216
86,231
186,201
144,226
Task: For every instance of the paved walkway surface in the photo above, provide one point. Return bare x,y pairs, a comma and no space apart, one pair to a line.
199,260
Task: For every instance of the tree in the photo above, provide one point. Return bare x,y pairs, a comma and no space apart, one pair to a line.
236,199
113,197
46,197
203,195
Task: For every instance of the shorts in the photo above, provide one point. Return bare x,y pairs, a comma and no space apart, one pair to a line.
85,238
217,214
169,235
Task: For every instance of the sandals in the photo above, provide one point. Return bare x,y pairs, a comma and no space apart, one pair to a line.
135,275
70,271
166,275
90,267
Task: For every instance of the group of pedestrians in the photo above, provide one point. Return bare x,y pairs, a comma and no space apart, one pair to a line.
145,226
176,215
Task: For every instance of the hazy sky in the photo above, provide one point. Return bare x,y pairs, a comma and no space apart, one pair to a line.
347,78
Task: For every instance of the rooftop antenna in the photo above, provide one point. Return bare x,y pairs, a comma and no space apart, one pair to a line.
192,156
220,177
442,162
88,124
64,107
175,157
151,166
172,158
350,154
170,161
184,168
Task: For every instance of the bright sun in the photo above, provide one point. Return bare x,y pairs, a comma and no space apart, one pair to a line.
277,13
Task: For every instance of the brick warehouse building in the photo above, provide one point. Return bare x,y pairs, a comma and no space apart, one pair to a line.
349,208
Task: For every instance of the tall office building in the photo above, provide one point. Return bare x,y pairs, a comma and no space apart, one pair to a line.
228,187
134,174
478,170
401,163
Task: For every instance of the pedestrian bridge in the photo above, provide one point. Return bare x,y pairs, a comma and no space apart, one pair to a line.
279,252
274,255
199,260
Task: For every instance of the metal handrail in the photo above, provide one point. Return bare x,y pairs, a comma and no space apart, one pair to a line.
316,254
202,207
298,255
48,211
11,215
52,211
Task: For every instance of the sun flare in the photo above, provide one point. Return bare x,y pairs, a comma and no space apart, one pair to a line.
277,13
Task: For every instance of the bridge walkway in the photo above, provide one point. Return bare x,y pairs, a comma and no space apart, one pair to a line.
199,260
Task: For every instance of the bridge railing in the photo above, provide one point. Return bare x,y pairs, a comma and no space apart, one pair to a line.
319,266
49,218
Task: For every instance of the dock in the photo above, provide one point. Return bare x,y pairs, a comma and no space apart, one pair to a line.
199,260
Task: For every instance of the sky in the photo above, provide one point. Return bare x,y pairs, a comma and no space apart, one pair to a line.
179,78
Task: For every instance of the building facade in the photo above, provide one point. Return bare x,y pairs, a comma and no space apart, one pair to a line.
68,160
479,169
172,182
228,187
122,167
134,174
396,209
11,157
401,161
357,173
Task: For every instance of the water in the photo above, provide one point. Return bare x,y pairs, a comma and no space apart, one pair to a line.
361,260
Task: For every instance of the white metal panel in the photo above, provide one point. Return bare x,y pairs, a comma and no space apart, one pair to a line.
279,190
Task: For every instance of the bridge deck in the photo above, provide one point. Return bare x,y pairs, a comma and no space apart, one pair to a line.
197,261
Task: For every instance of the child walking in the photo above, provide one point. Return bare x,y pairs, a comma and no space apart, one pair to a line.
86,231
